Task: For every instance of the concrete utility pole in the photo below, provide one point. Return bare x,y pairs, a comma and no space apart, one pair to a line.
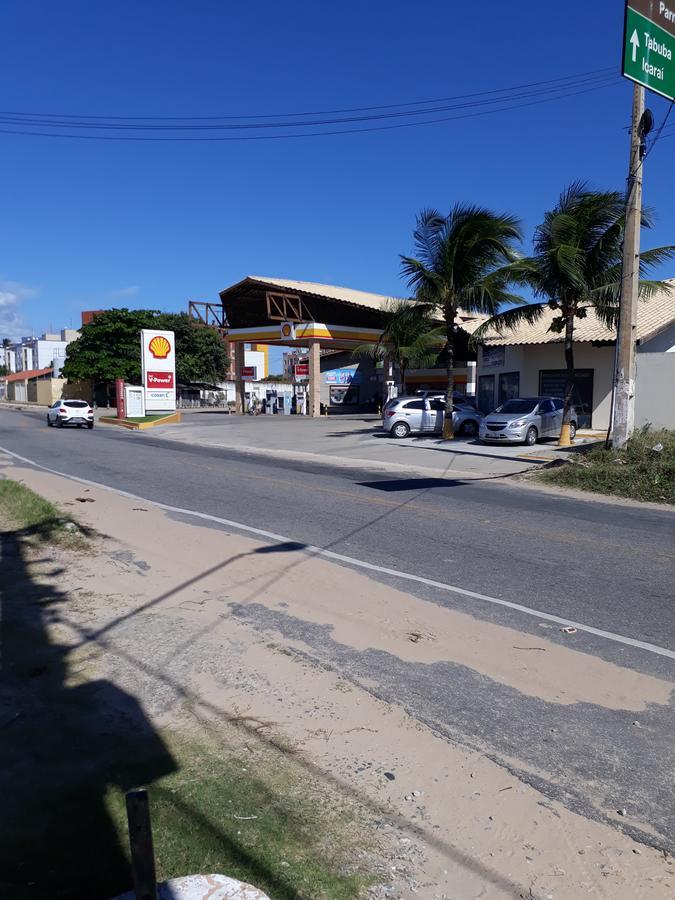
624,394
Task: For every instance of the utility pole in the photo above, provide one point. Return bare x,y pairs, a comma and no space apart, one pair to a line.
624,394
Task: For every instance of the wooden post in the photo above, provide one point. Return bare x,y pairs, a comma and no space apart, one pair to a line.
140,841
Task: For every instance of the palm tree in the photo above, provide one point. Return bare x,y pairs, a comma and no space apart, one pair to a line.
577,266
411,338
462,262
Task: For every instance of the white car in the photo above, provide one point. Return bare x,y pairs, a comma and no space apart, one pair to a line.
70,412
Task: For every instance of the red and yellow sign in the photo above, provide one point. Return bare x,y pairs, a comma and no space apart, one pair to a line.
159,346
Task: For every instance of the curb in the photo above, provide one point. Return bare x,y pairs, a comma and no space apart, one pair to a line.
171,419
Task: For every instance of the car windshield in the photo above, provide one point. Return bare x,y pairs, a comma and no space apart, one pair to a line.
517,407
76,404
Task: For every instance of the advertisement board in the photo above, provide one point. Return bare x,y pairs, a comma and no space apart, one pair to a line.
134,401
158,358
249,373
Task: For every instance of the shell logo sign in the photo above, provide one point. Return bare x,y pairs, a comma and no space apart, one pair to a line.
159,346
159,370
288,330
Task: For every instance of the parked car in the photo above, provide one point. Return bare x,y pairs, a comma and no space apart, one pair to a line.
525,420
416,415
458,400
70,412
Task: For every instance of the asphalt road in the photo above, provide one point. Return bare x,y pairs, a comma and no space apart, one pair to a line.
608,566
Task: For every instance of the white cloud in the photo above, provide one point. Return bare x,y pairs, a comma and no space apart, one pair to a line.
123,293
12,293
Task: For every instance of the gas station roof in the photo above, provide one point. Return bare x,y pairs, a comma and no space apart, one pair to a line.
347,316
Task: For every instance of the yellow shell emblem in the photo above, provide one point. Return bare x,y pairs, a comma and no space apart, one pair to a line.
159,347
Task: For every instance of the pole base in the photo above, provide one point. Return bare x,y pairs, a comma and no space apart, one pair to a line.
565,439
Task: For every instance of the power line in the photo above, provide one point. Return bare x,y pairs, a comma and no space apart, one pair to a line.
553,93
591,74
325,133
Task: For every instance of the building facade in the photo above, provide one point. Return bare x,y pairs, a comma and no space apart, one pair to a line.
530,362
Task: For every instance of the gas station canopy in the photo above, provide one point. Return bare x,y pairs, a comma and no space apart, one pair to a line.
257,308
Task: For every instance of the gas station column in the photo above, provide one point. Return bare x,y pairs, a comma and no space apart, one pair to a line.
240,395
315,379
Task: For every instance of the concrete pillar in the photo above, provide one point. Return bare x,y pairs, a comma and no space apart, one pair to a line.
314,379
240,394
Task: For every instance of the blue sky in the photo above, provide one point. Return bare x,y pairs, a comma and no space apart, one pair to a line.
88,224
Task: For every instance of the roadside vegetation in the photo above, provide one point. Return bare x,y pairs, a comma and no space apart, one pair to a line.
226,796
645,470
35,518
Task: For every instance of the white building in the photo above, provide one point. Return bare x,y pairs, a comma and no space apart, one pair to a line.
530,361
32,353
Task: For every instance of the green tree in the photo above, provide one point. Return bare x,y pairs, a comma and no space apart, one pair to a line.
576,266
411,338
462,262
109,347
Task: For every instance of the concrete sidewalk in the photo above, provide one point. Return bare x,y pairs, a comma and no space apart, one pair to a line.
355,441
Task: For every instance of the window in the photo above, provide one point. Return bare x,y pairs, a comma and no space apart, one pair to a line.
414,404
552,384
546,406
437,404
486,393
75,404
518,407
558,404
509,386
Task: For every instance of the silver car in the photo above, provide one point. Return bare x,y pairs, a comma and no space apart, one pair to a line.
417,415
525,420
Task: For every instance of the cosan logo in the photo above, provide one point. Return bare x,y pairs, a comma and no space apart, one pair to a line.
159,347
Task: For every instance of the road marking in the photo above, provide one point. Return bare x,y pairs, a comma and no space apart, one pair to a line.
358,563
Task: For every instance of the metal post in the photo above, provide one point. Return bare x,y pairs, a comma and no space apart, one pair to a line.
140,842
624,395
240,390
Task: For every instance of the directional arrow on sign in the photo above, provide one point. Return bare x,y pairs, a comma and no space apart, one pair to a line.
635,41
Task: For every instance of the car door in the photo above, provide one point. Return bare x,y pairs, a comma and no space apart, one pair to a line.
546,414
52,414
414,414
557,417
433,415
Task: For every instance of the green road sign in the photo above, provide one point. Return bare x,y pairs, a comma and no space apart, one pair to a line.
649,45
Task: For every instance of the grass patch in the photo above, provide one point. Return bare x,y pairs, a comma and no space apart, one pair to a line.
147,418
639,472
26,511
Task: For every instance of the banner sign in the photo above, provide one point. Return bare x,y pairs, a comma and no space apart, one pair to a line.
158,354
349,375
249,373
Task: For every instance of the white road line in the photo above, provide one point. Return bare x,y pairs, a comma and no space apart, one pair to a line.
360,564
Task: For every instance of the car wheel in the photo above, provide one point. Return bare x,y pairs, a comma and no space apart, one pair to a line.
59,423
573,430
400,430
531,436
470,428
90,425
49,422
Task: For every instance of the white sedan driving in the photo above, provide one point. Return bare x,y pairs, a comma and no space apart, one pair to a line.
70,412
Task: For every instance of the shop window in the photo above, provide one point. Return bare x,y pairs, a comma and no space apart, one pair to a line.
552,384
486,393
509,387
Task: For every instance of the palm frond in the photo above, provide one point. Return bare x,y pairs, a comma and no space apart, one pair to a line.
509,319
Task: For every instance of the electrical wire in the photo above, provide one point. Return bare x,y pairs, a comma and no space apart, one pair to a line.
591,74
108,126
325,133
